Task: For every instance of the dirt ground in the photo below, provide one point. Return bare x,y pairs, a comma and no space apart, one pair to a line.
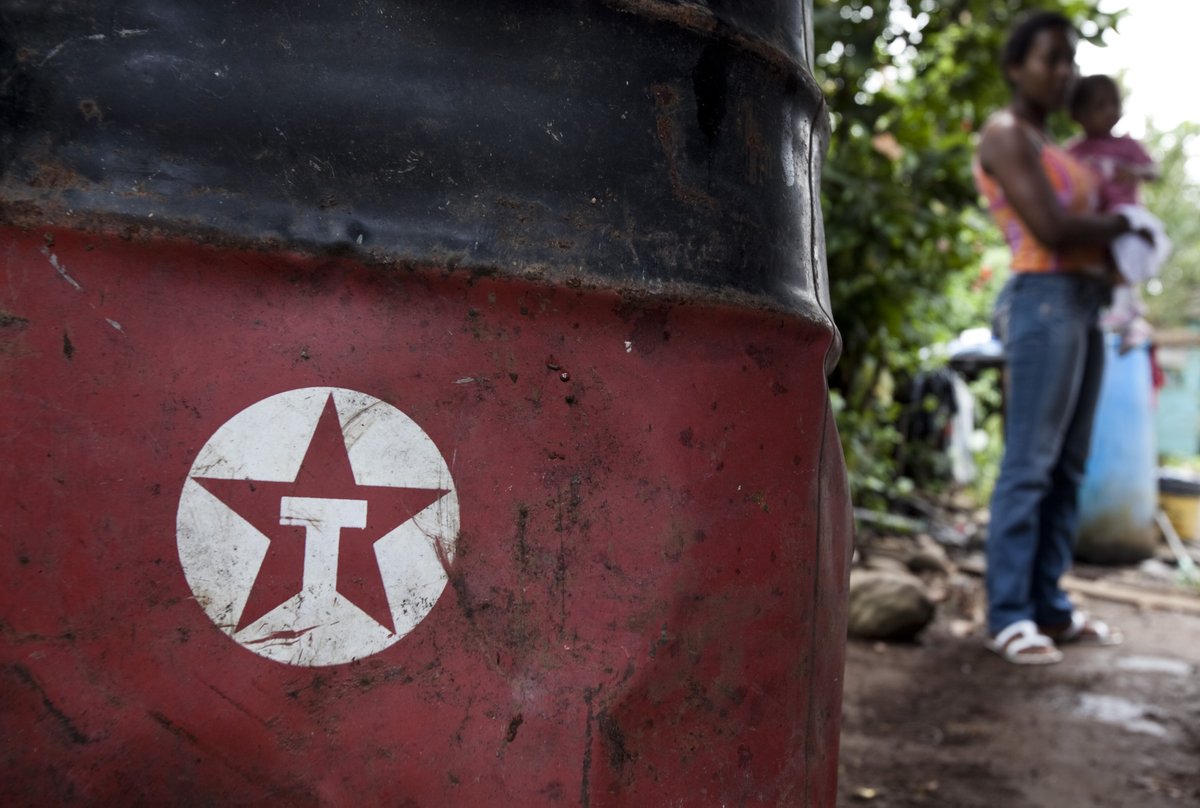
943,722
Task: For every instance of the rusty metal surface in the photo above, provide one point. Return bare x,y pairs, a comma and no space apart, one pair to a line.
416,404
643,605
777,31
640,142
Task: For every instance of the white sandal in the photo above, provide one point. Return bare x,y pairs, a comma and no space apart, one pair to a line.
1085,630
1022,644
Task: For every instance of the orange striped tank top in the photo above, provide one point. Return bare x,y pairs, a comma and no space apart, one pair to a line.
1077,190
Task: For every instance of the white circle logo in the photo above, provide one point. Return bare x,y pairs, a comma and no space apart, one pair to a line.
316,526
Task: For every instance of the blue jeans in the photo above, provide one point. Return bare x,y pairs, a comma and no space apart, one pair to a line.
1055,361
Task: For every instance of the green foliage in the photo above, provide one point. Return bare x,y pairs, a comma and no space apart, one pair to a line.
908,83
1176,200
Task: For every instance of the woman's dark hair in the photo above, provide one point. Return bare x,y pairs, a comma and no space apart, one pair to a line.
1086,89
1020,39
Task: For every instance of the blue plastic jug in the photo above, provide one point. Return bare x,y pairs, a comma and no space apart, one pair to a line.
1118,498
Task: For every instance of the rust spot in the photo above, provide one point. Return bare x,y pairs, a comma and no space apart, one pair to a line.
53,175
68,347
688,17
757,158
665,97
513,726
702,20
667,101
760,499
685,437
90,110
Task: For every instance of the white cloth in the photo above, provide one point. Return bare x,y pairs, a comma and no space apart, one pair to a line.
962,462
1136,260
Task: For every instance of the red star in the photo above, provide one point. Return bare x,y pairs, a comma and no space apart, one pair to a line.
325,473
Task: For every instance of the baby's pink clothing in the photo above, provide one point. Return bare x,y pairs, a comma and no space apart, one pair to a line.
1104,154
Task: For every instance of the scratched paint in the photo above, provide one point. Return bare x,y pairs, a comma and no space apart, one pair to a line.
316,526
60,269
642,593
442,431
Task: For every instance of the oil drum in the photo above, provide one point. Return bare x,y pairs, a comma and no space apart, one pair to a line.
416,404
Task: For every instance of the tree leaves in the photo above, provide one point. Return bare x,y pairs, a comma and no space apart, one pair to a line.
1176,200
908,84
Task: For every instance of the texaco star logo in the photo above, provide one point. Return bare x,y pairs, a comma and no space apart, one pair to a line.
316,526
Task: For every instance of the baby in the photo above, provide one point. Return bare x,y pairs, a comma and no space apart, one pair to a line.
1122,165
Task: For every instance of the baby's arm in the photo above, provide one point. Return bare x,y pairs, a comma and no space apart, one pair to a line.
1139,167
1131,173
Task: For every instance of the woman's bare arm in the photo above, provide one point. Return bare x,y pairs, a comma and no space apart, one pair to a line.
1009,154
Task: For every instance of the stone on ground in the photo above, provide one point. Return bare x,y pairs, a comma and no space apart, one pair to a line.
887,605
